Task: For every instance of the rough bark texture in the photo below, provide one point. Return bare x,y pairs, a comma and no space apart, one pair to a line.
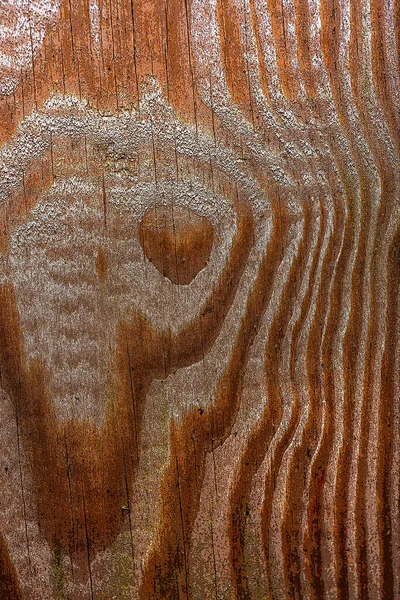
199,299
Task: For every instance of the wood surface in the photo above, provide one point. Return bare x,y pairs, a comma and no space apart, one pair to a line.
199,299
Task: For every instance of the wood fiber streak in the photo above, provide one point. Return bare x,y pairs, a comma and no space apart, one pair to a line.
199,300
9,582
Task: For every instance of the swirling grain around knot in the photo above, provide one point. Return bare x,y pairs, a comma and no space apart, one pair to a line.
199,309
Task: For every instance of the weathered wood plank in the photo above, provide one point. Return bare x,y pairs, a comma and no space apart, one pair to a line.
199,314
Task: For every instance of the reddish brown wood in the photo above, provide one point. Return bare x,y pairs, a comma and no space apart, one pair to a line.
199,318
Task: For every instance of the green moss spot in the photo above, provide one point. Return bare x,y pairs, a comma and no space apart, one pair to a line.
57,576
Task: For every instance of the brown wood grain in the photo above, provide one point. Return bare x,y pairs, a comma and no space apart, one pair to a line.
199,314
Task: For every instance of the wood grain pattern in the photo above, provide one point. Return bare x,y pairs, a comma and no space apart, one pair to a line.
199,299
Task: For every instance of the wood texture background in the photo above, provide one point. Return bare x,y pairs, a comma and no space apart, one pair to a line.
199,299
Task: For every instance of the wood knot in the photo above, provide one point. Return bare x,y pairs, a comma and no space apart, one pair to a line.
177,241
